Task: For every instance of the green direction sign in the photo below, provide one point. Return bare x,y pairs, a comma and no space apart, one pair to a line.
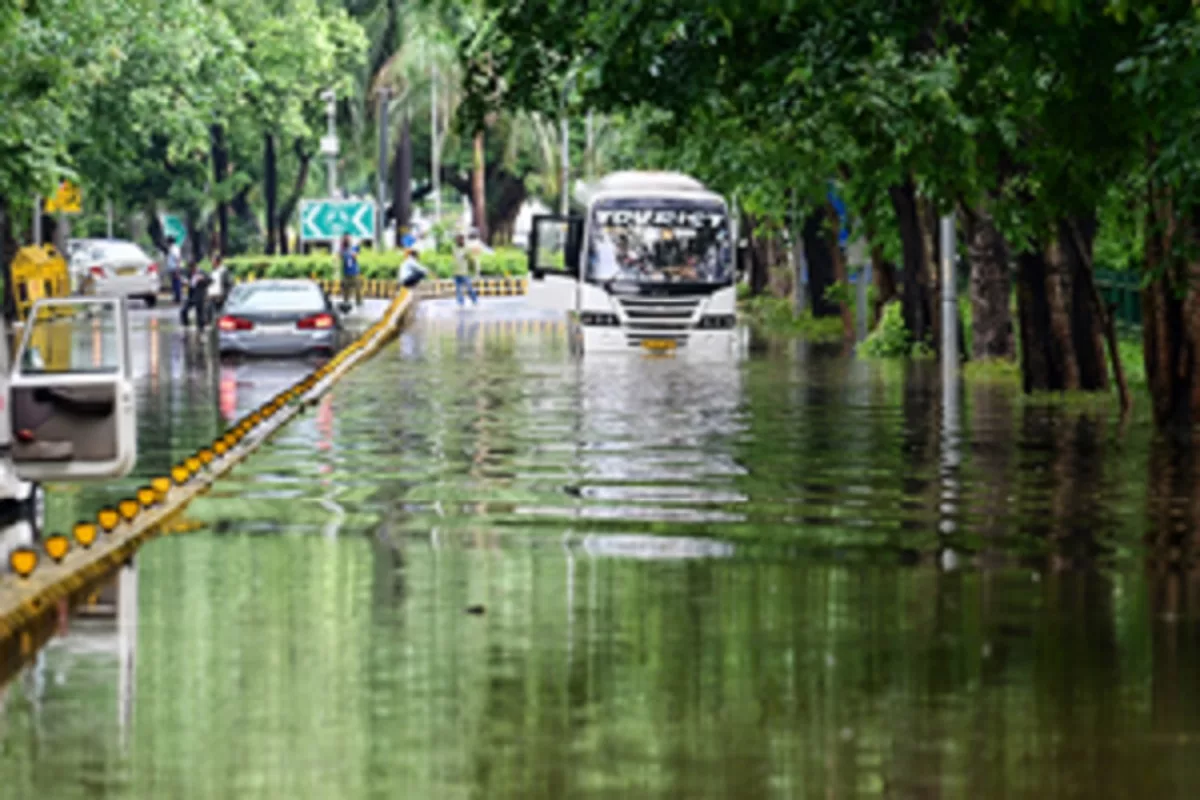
172,225
327,220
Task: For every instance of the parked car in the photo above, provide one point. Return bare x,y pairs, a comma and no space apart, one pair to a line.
278,318
113,268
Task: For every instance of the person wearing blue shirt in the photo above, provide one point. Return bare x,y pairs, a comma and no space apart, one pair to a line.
350,273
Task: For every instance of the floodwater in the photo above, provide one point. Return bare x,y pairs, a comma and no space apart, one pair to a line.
481,568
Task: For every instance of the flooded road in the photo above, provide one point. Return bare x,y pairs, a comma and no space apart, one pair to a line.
481,568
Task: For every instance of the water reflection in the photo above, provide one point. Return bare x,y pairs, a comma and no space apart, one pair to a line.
650,578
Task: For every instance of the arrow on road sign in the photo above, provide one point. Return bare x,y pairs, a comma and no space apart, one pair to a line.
327,220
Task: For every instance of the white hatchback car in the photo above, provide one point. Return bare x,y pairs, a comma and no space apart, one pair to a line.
113,268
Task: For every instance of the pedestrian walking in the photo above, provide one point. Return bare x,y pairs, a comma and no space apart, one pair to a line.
197,298
175,268
351,282
462,272
219,285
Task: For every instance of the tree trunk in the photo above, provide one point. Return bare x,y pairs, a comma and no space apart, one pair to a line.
293,199
1171,311
840,275
8,251
917,296
991,320
1076,237
402,167
479,203
822,267
1061,346
220,165
757,266
270,190
508,193
885,282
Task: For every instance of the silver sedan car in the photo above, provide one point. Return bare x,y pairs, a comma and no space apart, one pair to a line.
278,318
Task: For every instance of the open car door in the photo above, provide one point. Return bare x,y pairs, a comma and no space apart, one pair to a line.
71,403
554,248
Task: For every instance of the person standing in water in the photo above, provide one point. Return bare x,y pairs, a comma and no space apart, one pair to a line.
462,272
351,285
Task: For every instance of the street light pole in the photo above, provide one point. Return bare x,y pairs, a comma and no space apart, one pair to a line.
37,220
329,144
590,148
565,166
435,159
385,96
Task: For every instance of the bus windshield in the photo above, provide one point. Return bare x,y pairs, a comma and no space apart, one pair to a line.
650,240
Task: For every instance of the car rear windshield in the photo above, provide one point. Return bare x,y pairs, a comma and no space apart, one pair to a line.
277,298
124,251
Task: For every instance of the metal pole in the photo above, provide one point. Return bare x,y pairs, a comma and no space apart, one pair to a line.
108,213
590,166
385,95
435,161
950,398
37,219
950,355
565,166
860,300
331,157
800,288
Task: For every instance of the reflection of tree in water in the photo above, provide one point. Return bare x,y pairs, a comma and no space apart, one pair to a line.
1063,495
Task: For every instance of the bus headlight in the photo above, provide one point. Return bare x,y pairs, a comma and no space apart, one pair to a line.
717,321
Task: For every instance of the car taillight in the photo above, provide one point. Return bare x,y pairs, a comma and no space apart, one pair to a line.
98,272
234,324
152,269
316,321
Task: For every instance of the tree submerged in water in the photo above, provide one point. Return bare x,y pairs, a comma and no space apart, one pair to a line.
1031,121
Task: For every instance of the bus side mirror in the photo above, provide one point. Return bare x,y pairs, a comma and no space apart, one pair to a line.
554,246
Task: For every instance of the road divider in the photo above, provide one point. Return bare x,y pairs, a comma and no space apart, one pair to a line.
37,586
386,290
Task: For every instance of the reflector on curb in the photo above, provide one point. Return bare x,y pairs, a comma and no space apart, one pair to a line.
206,456
57,546
85,534
193,464
129,509
147,496
161,486
108,519
219,447
23,561
180,474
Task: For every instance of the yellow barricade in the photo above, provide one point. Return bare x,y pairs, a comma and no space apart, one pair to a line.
37,273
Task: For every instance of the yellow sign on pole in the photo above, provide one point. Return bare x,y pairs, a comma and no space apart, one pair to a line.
67,200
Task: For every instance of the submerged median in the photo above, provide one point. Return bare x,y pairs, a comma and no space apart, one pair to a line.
65,567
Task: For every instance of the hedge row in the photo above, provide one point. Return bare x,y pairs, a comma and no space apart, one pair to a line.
505,261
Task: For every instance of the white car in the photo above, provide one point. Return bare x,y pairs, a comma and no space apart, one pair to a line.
113,268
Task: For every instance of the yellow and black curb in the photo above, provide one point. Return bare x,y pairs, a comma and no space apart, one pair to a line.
386,290
65,568
484,287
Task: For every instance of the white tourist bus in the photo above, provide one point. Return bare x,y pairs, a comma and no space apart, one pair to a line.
648,264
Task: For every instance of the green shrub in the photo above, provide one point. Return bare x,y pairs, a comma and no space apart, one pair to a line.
890,339
774,315
505,261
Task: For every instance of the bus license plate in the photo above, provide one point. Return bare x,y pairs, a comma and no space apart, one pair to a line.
658,345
